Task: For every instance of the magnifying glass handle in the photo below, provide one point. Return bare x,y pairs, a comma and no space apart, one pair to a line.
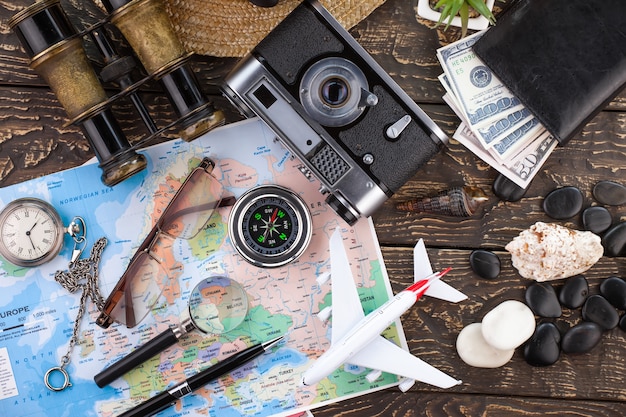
137,357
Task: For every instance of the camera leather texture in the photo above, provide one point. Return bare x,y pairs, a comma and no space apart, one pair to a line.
297,41
395,161
564,59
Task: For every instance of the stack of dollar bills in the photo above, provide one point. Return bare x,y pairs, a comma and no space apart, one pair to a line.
495,126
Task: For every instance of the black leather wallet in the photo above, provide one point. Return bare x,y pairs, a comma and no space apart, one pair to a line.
564,59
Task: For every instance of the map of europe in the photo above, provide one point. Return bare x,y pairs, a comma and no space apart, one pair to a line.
37,314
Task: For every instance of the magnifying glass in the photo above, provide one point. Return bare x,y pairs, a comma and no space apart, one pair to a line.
217,305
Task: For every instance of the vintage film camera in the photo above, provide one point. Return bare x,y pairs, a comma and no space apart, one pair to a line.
336,109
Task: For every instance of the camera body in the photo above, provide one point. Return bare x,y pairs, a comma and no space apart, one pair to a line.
336,109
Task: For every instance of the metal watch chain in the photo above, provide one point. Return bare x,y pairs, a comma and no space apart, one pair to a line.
82,274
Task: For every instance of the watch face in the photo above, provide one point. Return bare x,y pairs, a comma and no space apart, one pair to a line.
30,232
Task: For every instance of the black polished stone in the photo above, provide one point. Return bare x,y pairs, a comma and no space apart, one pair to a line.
544,346
542,300
622,322
563,203
598,310
610,193
614,240
485,264
507,190
581,338
575,291
596,219
614,290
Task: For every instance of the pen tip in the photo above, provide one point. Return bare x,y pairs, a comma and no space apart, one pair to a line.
273,342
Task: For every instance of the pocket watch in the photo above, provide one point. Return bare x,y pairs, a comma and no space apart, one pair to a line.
31,232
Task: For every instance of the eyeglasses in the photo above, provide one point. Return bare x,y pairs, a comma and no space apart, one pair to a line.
147,273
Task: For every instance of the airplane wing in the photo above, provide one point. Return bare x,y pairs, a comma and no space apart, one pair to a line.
422,269
383,355
346,304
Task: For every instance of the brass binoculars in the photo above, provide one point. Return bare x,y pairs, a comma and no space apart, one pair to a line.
57,54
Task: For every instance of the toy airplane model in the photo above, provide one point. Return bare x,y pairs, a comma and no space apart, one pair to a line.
355,337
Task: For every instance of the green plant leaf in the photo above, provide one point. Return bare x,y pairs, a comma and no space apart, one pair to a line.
457,4
481,7
464,14
450,8
445,14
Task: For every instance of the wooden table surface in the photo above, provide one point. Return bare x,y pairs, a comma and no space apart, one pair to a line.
34,141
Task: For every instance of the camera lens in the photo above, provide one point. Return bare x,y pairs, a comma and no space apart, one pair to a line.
335,92
342,208
331,91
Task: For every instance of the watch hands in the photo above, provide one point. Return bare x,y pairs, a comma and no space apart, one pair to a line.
29,234
31,229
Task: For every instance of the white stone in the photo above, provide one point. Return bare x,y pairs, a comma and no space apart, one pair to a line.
508,325
548,251
475,351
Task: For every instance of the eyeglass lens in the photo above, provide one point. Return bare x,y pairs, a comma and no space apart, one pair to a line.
190,210
147,275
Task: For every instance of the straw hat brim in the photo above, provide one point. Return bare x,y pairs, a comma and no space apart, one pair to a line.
230,28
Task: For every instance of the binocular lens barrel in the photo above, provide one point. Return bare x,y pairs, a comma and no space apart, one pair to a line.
57,53
58,56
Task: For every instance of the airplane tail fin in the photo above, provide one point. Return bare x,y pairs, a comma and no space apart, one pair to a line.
422,269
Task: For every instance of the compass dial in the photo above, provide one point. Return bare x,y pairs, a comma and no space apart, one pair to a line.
270,226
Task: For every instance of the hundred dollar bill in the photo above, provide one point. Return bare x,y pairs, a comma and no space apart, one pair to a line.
495,132
482,97
525,164
489,134
517,139
525,161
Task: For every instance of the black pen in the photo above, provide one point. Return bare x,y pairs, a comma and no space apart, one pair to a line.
169,397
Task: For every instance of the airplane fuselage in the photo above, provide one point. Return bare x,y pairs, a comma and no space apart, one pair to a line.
363,333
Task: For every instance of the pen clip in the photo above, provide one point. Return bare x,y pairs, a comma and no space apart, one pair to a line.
179,391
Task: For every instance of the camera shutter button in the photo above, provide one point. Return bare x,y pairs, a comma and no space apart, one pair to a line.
394,131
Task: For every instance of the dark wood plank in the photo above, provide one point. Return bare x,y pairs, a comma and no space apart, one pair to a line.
35,139
389,403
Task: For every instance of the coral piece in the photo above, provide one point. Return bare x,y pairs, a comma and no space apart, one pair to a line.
547,251
457,201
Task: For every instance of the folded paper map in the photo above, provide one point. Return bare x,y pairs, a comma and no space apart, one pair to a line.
37,314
